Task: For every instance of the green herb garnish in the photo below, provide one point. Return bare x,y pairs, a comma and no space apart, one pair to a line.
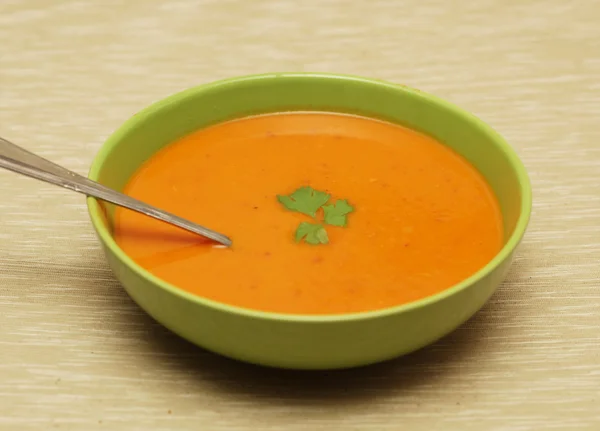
312,233
307,200
337,214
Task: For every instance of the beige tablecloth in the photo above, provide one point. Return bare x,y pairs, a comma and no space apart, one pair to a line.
77,354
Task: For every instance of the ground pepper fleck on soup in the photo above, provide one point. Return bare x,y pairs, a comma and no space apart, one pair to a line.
422,217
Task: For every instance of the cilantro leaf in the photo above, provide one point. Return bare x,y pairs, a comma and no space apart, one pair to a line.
336,214
311,233
305,200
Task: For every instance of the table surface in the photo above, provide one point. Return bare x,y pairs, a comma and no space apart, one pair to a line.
77,354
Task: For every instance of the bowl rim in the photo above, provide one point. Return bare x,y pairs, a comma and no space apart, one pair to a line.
134,121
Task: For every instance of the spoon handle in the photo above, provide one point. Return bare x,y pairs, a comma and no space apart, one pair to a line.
21,161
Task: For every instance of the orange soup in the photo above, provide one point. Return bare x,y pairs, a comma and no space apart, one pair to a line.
329,213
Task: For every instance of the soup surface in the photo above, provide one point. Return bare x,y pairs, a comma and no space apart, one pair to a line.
417,218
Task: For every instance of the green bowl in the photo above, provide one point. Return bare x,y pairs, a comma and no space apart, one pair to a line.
303,341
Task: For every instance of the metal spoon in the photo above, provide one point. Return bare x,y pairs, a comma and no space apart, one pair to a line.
21,161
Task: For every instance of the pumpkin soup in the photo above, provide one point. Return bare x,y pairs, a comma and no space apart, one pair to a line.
329,213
